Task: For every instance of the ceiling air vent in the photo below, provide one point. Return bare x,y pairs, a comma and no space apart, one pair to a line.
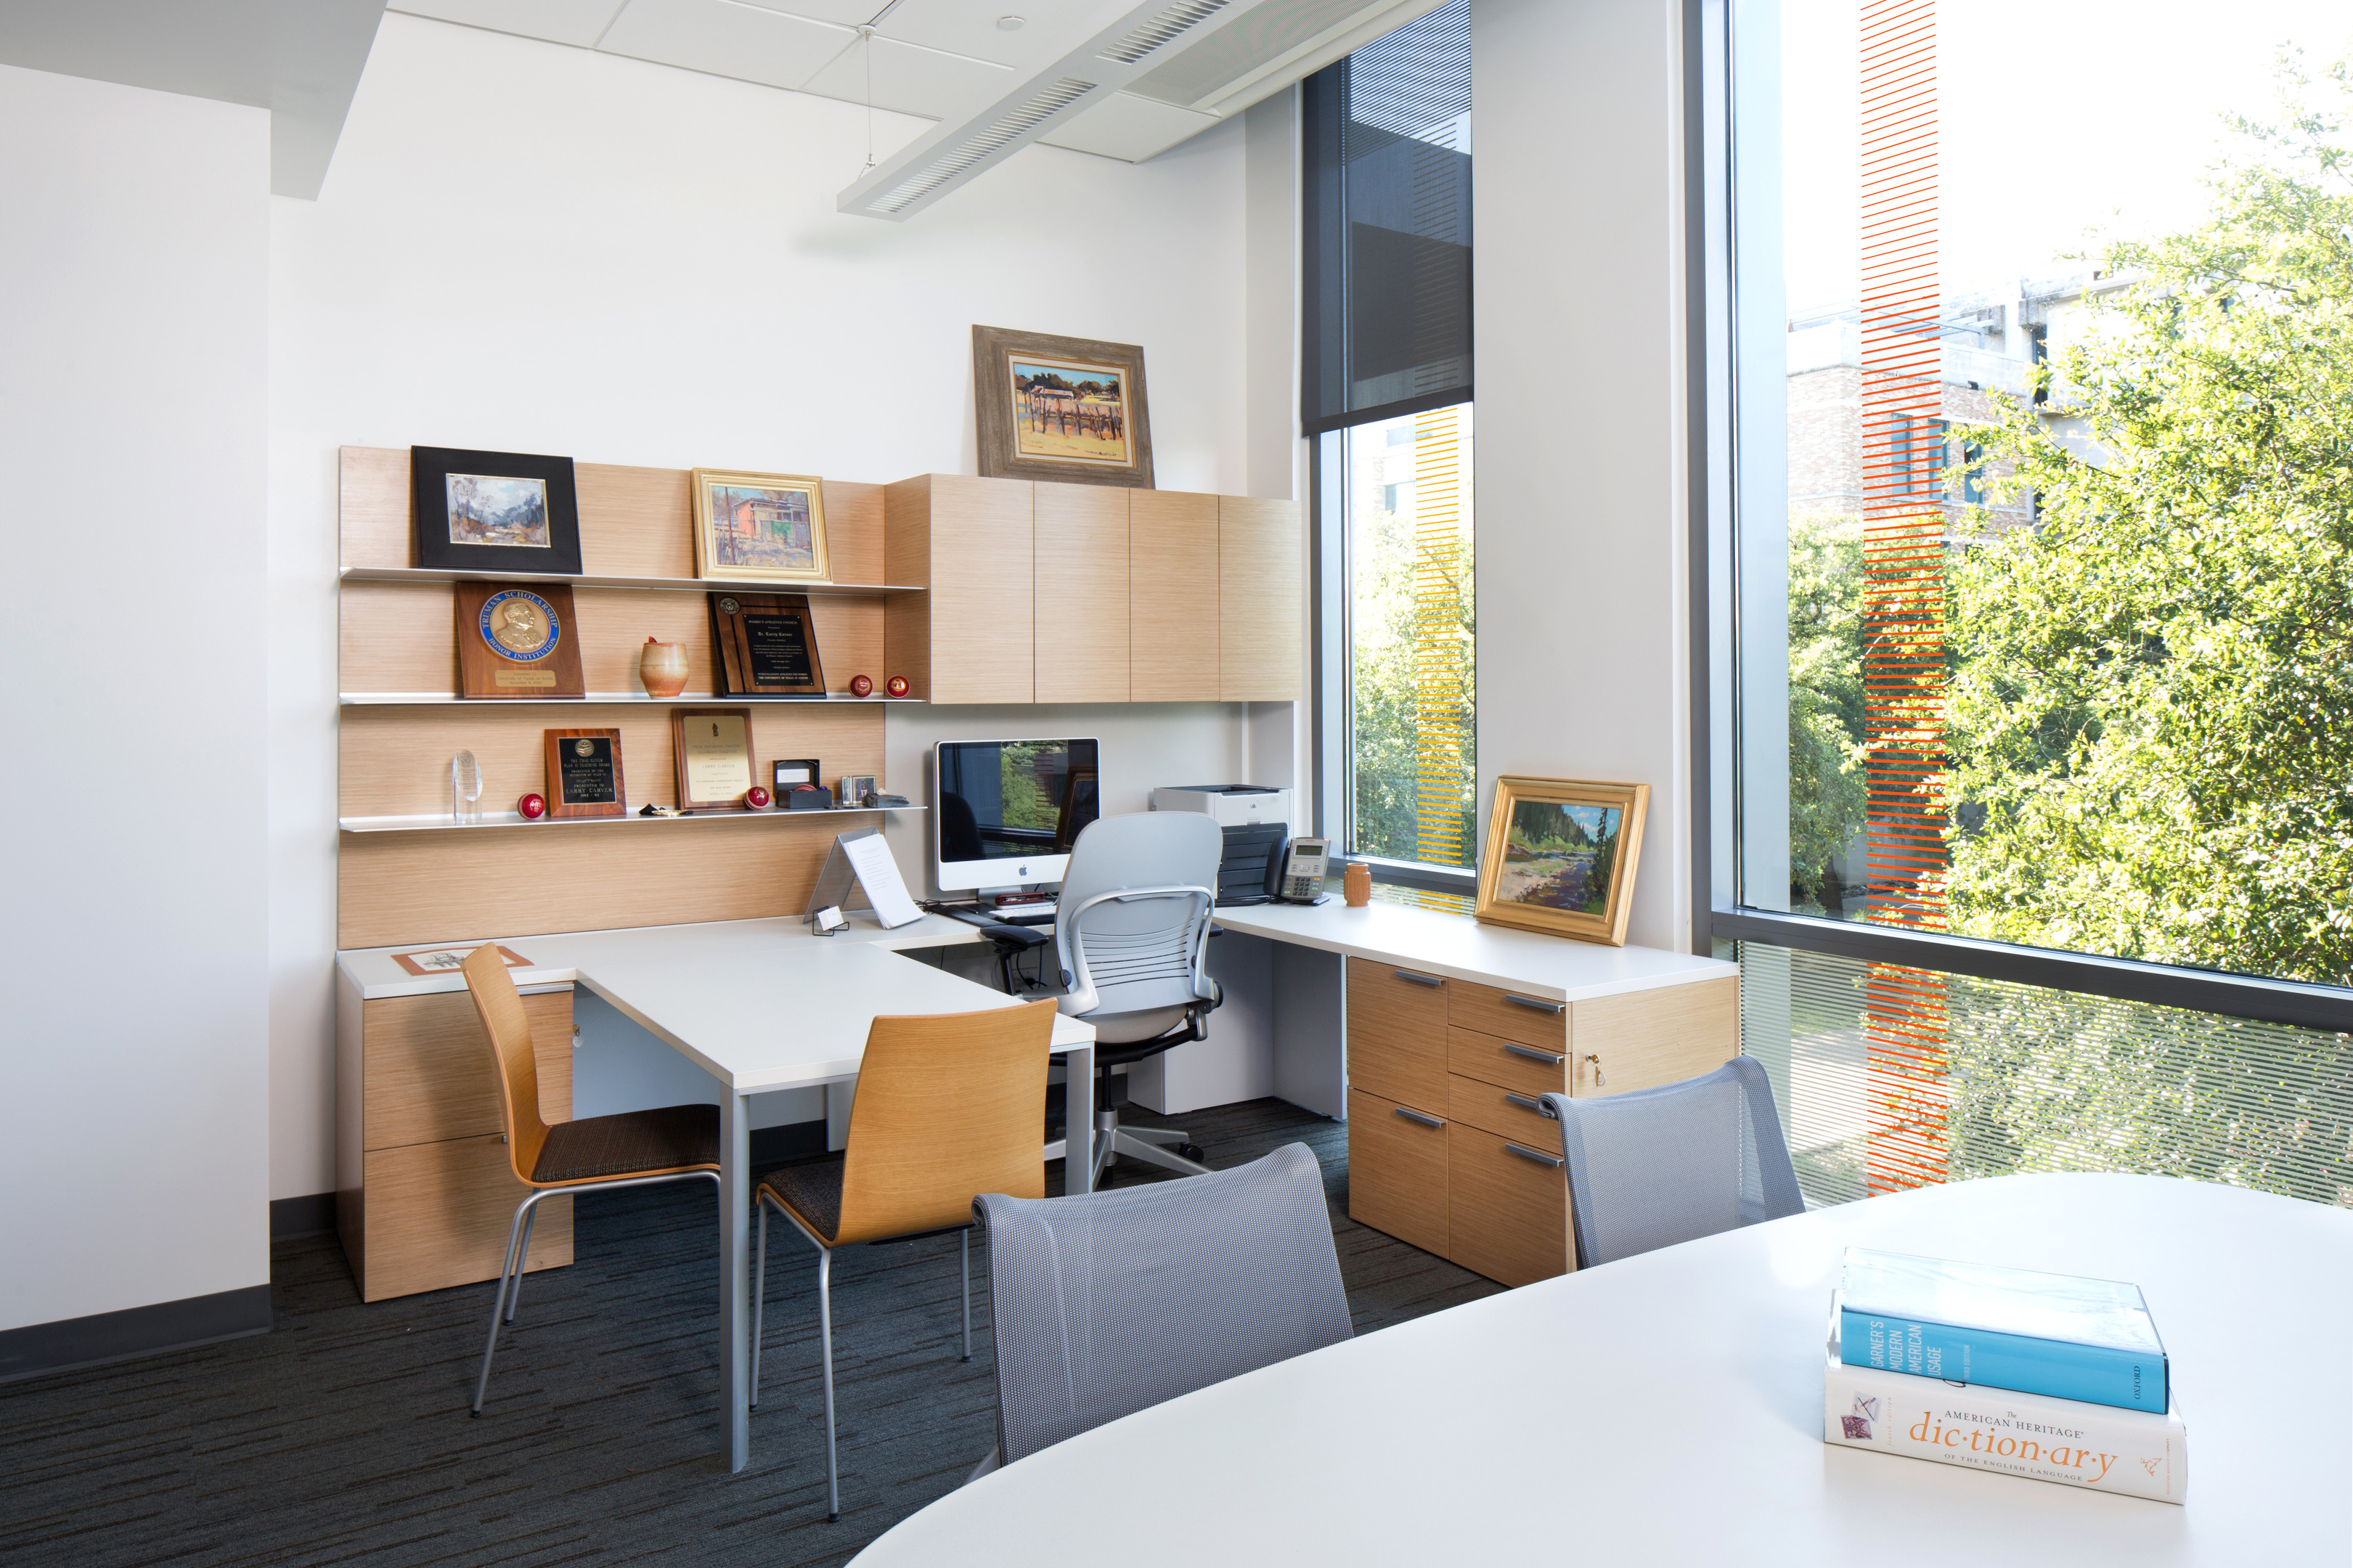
980,145
1166,27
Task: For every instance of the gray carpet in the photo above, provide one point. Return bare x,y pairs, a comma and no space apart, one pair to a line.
341,1438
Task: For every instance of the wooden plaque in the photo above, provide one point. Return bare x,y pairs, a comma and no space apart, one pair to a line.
767,645
713,751
514,641
584,773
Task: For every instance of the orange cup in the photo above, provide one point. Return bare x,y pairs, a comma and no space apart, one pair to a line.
1356,885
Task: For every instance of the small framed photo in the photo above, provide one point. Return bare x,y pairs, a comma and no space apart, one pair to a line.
584,773
493,511
1561,856
760,527
856,788
715,757
1067,409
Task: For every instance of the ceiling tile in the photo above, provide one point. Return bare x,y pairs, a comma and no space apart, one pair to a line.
726,37
969,27
580,21
845,13
1125,126
910,80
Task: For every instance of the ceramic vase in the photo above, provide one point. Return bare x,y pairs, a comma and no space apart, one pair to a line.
663,667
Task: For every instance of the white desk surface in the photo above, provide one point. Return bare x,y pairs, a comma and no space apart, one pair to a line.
744,1000
1667,1409
1556,968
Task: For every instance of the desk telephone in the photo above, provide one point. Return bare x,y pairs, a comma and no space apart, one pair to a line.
1294,874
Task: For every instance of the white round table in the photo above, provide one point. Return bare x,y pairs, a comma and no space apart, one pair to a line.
1667,1409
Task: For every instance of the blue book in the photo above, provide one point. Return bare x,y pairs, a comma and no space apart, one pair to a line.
2002,1328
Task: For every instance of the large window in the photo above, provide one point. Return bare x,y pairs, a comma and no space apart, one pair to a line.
2044,556
1386,399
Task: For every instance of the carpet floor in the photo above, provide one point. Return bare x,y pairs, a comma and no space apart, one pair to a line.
340,1438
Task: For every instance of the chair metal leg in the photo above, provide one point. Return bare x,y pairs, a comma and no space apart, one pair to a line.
522,1262
1136,1148
963,1247
499,1304
1106,1130
759,1291
825,1337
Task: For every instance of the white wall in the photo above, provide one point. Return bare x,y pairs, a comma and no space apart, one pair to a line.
527,247
1584,668
133,316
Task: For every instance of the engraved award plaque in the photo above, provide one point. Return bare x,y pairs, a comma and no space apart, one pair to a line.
714,752
584,773
517,642
767,644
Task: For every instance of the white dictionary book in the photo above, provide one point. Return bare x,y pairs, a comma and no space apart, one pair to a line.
2103,1447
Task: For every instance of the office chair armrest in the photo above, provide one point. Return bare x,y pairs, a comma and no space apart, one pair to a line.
1014,937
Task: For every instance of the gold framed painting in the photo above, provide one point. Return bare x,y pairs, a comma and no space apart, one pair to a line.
759,528
1561,856
1070,410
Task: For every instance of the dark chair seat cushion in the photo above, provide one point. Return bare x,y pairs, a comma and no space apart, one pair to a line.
629,1143
812,1191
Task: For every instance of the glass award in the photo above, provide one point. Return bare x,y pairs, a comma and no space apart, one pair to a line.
465,787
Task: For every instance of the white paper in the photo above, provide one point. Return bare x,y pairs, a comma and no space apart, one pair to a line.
877,873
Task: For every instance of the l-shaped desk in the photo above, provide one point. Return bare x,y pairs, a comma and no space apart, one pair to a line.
763,1006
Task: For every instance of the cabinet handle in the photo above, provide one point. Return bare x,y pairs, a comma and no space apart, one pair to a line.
1534,1055
1410,978
1424,1118
1536,1003
1551,1160
1538,1106
1598,1078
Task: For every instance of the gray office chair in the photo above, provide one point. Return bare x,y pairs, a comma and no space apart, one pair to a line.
1102,1304
1655,1166
1132,935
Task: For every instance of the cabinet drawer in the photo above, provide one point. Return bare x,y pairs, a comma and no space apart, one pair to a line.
1509,1014
1530,1069
438,1215
426,1065
1506,1213
1645,1038
1397,1035
1506,1112
1397,1170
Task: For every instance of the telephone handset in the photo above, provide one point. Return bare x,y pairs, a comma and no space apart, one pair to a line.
1295,873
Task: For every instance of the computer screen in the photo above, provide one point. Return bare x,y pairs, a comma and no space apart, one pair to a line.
1005,812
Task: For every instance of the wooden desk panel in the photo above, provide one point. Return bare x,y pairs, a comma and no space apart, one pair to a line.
427,1074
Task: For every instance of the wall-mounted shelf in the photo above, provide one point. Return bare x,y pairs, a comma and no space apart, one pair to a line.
663,584
441,822
683,700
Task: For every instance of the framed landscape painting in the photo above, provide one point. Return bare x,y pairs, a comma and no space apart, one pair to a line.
1065,409
766,527
493,511
1561,856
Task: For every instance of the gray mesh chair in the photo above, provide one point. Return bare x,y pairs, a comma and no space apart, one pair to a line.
1655,1166
1131,933
1102,1304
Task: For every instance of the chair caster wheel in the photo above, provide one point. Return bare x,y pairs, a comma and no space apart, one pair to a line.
1192,1151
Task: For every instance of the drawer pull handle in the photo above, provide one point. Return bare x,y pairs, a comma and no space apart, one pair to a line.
1538,1106
1536,1003
1422,1117
1551,1160
1547,1057
1410,978
1598,1078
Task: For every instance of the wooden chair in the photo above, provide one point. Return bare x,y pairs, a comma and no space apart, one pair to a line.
631,1149
946,1110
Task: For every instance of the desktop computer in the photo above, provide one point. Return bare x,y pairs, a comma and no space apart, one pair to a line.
1004,816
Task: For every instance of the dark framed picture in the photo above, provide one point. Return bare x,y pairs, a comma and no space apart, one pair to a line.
584,773
494,512
1065,409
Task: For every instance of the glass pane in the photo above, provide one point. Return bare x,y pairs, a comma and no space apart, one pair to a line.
2045,539
2027,1079
1412,752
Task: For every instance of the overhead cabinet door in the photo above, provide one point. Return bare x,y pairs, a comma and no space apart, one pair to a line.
1173,610
981,596
1260,600
1082,587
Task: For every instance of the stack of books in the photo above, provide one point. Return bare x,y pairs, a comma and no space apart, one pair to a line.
2002,1369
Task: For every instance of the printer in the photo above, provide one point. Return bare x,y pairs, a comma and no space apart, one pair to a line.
1256,820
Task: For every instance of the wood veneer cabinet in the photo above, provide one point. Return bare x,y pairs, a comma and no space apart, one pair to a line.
425,1189
1080,569
969,542
1449,1148
1173,607
1259,594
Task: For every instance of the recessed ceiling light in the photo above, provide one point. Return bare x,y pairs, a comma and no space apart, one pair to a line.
1010,24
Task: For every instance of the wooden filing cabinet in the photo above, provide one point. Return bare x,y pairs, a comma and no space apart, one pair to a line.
1449,1148
425,1190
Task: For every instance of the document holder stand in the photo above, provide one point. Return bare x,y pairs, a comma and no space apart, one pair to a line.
841,879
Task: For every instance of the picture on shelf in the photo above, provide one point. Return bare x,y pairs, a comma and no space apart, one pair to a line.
493,511
486,509
1060,408
1561,856
767,526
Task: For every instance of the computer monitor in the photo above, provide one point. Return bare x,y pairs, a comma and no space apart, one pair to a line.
1005,812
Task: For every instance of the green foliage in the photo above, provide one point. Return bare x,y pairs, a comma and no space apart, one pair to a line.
1388,751
1826,751
2153,703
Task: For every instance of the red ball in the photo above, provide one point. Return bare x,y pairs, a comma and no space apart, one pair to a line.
533,807
896,686
860,686
756,798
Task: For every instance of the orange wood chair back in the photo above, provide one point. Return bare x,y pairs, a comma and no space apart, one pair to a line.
948,1106
507,1031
